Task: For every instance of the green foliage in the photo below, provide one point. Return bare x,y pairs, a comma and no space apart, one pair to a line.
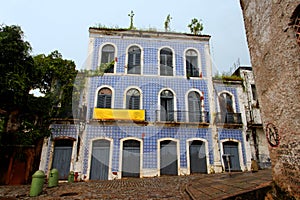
196,26
25,118
167,23
16,66
56,81
227,77
131,15
103,68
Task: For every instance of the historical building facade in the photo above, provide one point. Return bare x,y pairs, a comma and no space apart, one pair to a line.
152,109
254,129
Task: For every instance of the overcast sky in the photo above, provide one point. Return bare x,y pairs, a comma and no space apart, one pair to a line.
63,24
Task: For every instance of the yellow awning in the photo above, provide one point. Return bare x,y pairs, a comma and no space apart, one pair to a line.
119,114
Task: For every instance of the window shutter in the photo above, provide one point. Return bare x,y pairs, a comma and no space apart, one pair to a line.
107,101
133,102
104,101
194,107
136,102
100,101
171,109
169,61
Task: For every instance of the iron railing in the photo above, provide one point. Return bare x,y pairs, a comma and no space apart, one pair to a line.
229,118
181,116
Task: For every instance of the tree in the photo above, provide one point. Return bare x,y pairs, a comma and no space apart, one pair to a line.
26,118
196,26
167,23
16,64
57,76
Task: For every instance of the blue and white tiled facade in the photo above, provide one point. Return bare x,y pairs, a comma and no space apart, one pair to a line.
152,131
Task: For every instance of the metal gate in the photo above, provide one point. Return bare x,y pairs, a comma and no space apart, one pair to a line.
131,158
231,149
168,158
100,160
62,157
197,157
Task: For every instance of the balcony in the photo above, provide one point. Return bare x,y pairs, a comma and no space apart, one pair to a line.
181,116
118,114
229,118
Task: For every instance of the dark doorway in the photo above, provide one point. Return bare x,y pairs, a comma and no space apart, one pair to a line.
168,158
131,158
231,149
62,157
197,157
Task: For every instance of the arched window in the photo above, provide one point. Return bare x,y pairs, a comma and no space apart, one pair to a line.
107,56
226,108
166,62
166,106
194,104
133,99
191,58
226,103
134,60
104,98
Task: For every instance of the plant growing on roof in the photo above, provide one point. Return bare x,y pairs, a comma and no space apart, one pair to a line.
131,15
167,23
196,26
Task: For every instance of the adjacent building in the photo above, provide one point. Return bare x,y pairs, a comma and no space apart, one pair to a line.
150,108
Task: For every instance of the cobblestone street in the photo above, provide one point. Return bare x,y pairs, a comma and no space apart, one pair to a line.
201,186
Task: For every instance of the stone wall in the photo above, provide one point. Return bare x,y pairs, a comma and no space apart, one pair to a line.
275,57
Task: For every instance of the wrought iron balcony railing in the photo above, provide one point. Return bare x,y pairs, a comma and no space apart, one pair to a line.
229,118
181,116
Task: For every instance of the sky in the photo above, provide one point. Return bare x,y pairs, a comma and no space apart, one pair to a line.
63,24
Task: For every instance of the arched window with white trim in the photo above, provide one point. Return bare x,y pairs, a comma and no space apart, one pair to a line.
194,107
191,59
133,99
166,62
107,56
134,60
166,106
104,99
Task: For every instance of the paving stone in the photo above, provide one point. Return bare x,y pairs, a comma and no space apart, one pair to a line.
198,186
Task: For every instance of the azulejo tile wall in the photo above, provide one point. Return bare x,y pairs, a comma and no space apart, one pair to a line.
150,136
59,131
150,84
233,134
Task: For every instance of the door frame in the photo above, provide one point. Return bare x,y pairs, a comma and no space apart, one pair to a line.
188,153
121,155
52,152
177,152
110,176
241,159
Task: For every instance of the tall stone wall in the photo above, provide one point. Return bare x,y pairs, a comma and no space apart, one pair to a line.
275,57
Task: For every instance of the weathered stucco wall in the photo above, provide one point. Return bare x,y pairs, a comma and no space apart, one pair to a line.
275,57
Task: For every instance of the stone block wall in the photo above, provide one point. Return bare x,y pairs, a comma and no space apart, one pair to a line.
275,57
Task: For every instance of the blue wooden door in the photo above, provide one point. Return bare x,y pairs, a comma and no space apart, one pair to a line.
100,160
62,157
197,157
168,158
231,148
131,158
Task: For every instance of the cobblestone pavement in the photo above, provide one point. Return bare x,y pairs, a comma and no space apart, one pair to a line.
200,186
